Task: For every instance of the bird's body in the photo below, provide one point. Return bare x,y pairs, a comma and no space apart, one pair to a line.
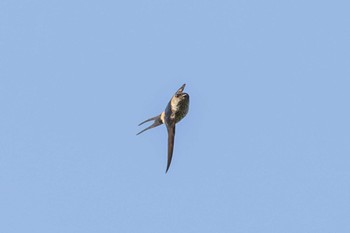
174,112
178,107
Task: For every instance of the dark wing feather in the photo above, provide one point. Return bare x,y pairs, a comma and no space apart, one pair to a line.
171,136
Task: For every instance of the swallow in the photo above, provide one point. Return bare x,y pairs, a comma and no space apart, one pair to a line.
174,112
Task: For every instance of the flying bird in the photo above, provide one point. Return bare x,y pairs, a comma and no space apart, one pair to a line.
174,112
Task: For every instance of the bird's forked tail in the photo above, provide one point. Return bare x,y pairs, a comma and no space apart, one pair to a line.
157,121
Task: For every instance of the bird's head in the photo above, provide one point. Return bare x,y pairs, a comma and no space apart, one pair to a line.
182,96
179,98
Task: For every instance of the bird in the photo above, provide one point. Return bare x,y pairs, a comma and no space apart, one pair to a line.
174,112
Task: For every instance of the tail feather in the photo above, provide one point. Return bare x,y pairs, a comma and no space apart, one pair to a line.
150,119
157,122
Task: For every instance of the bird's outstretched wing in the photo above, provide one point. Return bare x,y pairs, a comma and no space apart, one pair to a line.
181,89
171,136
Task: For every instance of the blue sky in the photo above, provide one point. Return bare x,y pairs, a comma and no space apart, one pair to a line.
264,148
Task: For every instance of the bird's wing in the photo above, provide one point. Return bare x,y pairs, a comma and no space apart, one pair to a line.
171,136
181,89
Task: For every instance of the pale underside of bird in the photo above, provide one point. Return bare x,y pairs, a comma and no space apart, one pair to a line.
174,112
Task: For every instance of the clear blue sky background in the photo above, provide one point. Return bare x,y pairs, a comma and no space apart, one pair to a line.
264,148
